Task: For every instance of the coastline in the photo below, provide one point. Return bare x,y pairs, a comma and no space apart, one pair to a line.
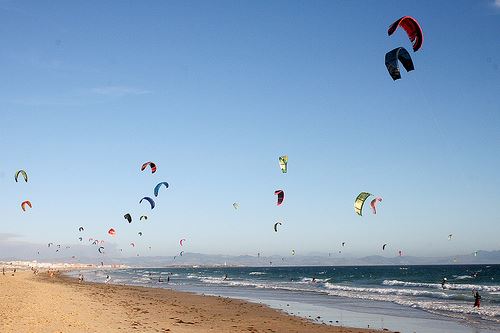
60,304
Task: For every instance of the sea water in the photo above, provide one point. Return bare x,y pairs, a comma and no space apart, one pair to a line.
408,299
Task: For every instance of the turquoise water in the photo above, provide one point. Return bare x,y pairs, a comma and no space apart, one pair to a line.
411,297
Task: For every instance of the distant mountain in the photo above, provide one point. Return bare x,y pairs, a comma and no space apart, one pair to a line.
198,259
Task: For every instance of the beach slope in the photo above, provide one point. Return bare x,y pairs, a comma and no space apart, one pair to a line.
32,303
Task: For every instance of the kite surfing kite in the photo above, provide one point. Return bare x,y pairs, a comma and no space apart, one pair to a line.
48,245
80,229
283,163
181,253
140,233
157,187
400,253
373,204
128,217
450,236
182,241
276,226
23,173
412,28
143,217
343,243
392,63
359,202
293,252
101,249
281,196
24,203
383,247
151,165
112,232
236,205
132,244
151,201
80,239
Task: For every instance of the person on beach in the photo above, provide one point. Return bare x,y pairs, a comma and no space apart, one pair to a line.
225,278
443,284
108,278
3,270
80,278
477,299
168,279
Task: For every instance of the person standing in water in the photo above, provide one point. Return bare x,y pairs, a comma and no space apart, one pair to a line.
477,299
443,284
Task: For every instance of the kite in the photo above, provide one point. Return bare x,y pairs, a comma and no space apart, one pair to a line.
151,201
373,204
157,187
128,217
24,203
112,232
236,205
23,173
412,28
400,253
151,165
80,229
343,243
143,217
450,236
101,249
80,239
182,241
181,253
140,233
276,226
360,201
293,252
48,245
392,64
281,196
283,163
132,244
383,247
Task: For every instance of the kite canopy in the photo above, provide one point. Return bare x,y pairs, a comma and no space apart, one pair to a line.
143,217
359,202
281,196
101,249
157,187
276,226
139,233
293,252
80,229
392,64
23,173
24,204
373,204
400,253
152,165
132,244
283,163
412,28
236,205
151,201
450,236
128,217
181,253
112,232
182,241
383,247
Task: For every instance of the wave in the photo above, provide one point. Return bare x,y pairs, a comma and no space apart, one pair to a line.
257,273
448,286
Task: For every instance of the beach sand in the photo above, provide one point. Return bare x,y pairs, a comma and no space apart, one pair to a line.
40,303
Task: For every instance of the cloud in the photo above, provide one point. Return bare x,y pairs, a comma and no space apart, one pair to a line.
6,237
496,3
118,91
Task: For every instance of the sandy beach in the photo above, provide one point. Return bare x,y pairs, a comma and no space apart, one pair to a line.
59,304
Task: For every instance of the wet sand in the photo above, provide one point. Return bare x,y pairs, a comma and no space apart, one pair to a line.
41,303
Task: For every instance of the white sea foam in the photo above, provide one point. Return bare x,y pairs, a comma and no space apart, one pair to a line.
257,273
449,286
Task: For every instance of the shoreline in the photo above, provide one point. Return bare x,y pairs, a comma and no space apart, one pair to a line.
44,304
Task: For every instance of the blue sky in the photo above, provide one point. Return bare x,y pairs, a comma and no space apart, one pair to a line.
214,92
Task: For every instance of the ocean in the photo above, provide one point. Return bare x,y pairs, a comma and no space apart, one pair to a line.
406,298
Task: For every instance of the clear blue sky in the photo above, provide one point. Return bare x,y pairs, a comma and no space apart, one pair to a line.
214,92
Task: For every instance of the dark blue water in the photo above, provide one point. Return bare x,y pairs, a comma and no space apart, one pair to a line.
410,291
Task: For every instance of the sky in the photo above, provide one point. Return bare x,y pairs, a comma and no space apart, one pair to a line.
214,92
